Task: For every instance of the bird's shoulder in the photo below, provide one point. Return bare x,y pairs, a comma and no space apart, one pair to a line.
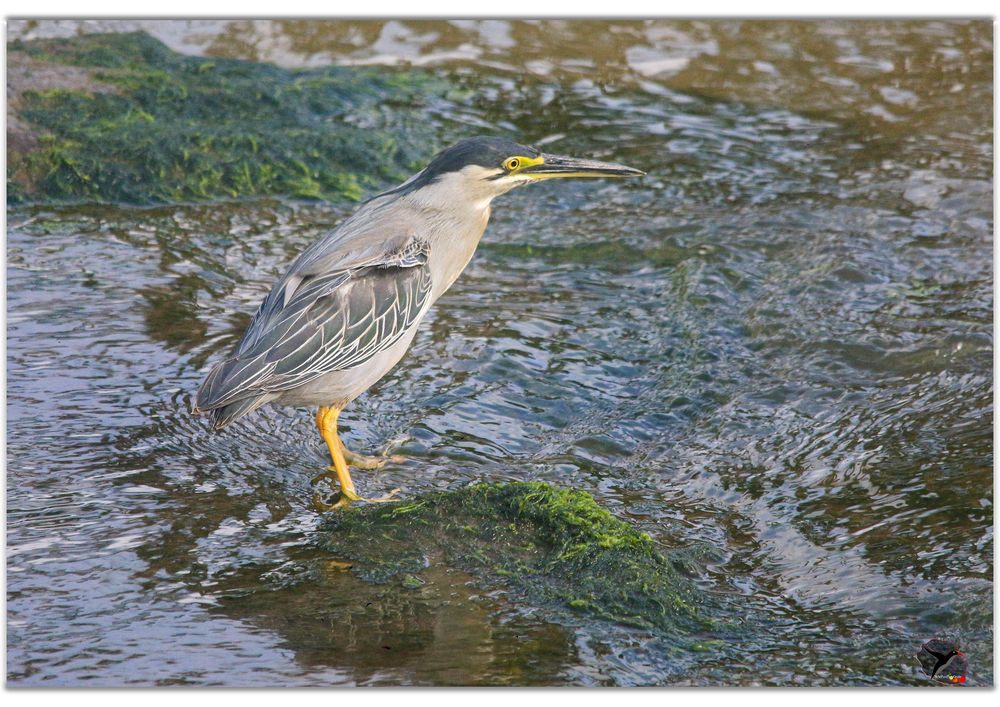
359,247
377,232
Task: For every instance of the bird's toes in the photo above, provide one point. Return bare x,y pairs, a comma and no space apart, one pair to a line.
363,462
323,505
341,499
388,498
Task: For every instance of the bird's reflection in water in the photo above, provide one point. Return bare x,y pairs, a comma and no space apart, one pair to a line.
438,632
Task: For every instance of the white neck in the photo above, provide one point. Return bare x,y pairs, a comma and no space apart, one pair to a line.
455,209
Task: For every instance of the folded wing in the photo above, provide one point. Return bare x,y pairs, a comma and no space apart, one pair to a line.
313,324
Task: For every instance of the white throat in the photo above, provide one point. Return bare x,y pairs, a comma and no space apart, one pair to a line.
455,208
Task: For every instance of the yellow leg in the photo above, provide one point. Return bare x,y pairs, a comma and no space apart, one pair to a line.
326,421
361,461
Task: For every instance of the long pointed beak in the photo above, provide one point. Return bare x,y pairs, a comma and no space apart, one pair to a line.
558,166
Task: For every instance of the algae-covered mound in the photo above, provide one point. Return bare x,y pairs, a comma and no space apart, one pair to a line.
547,544
121,117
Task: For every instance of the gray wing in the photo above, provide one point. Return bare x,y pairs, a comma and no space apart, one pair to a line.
310,325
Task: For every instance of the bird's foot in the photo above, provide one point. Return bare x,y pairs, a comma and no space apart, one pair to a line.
345,498
363,461
323,506
358,461
387,498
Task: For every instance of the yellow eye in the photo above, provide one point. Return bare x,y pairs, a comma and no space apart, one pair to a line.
511,164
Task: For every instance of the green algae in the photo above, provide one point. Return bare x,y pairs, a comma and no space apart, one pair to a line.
551,546
155,126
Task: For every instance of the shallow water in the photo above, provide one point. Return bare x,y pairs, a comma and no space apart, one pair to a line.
778,343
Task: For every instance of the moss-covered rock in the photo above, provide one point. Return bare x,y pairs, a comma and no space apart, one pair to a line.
144,124
545,544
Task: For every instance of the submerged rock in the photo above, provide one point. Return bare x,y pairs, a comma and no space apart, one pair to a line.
122,118
545,544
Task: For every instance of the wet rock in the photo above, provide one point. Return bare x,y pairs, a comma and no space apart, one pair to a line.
122,118
545,545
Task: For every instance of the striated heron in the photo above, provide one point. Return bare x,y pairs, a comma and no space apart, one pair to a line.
348,307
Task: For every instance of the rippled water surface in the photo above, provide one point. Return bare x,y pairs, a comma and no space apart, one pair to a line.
779,343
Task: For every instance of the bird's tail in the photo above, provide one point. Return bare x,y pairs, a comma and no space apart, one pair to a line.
222,416
214,399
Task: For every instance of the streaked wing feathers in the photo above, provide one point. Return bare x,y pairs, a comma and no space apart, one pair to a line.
331,322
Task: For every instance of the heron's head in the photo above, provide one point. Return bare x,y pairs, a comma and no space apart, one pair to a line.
478,169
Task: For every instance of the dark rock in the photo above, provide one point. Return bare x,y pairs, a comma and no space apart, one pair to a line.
544,544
